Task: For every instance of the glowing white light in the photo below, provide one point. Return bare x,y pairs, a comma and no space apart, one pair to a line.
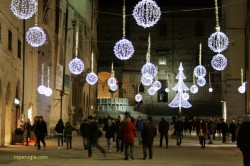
185,96
35,36
201,81
91,78
178,101
41,89
194,89
111,81
17,101
76,66
200,71
48,91
23,9
149,70
151,91
114,88
167,90
218,42
146,81
157,85
210,90
123,49
219,62
138,97
242,88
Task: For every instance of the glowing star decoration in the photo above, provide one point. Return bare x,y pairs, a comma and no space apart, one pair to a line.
218,42
147,13
157,85
178,101
151,91
167,90
219,62
201,81
91,78
210,90
23,9
194,89
185,96
138,97
146,81
35,36
114,88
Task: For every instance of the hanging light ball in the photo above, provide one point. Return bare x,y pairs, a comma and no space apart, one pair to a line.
41,89
111,81
201,81
138,97
91,78
167,90
149,70
151,91
146,81
218,42
194,89
146,13
23,9
157,85
76,66
35,36
123,49
242,88
200,71
114,88
219,62
48,92
210,90
185,96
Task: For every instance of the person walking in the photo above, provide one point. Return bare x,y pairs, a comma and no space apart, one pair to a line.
203,134
110,132
139,127
148,133
41,132
84,133
178,127
128,134
118,126
233,129
224,130
36,120
68,134
243,138
59,133
211,131
163,128
26,131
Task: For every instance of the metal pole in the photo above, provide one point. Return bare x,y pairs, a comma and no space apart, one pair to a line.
24,31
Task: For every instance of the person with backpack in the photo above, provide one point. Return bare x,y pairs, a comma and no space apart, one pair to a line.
59,133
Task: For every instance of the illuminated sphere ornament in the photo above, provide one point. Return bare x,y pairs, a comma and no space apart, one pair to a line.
91,78
200,71
146,81
201,81
48,92
167,90
149,70
210,90
41,89
219,62
76,66
123,49
146,13
185,96
35,36
138,97
157,85
111,81
23,9
242,88
218,42
151,91
114,88
194,89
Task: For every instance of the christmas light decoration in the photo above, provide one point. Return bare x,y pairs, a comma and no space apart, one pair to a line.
218,41
167,90
201,81
112,81
194,89
185,96
113,88
178,101
151,91
147,13
41,89
210,86
210,90
91,78
157,85
242,88
149,70
219,62
200,71
146,81
23,9
124,49
138,97
48,91
76,65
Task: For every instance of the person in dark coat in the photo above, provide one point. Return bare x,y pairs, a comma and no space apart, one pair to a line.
139,127
163,130
178,127
243,138
148,133
26,131
68,134
59,133
41,132
118,126
109,128
224,130
233,129
84,133
211,131
36,120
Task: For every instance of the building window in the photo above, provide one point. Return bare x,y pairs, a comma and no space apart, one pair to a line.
10,40
19,49
162,95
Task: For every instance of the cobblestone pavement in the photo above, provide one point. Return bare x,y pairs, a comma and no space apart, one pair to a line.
188,154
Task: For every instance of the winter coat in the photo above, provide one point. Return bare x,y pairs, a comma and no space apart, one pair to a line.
204,130
110,130
243,137
84,129
68,130
224,127
59,128
233,127
139,125
148,133
211,127
93,131
178,126
26,130
41,129
163,127
128,132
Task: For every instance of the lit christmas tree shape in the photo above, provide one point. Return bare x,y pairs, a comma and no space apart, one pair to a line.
178,101
35,36
124,49
111,81
194,89
219,62
146,81
91,78
23,9
146,13
151,91
149,70
201,81
76,66
218,42
138,97
157,85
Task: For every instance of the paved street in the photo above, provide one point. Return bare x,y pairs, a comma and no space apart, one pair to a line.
188,154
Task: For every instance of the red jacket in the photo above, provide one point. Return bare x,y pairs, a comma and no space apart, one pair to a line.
128,132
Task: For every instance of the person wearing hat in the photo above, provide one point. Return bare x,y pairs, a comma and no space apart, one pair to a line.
243,140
